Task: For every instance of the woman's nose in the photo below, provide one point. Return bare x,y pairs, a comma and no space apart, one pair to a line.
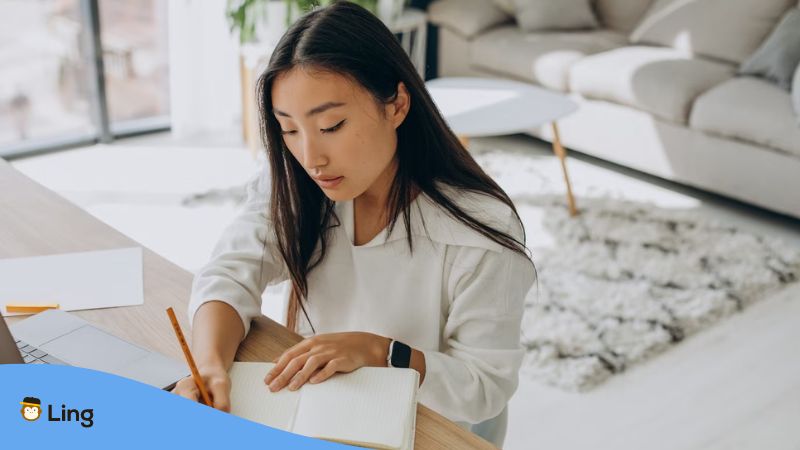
313,154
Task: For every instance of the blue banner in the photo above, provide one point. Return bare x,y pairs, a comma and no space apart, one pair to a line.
69,407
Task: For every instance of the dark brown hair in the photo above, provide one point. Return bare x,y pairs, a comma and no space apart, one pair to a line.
346,39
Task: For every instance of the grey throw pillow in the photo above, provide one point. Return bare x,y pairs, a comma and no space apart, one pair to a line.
779,55
538,15
506,5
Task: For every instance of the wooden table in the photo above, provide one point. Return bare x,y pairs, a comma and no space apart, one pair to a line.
36,221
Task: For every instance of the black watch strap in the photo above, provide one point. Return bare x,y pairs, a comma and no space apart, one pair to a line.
401,355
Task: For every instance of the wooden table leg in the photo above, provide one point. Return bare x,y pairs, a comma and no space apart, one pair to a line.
250,130
562,156
464,141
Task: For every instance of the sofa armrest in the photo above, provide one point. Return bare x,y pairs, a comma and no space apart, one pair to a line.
466,17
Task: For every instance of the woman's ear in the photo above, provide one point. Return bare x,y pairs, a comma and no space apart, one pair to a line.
398,108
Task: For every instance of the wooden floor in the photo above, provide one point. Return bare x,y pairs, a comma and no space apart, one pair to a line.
735,385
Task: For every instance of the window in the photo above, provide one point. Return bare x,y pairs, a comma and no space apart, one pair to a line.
53,91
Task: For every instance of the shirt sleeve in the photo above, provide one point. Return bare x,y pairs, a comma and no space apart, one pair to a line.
245,259
477,373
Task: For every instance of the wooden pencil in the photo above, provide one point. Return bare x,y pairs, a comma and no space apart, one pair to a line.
198,380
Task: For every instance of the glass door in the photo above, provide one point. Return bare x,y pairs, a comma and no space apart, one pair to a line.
45,92
134,41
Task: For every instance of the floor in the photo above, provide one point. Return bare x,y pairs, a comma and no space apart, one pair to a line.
734,386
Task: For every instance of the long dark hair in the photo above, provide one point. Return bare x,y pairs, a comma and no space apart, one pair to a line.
346,39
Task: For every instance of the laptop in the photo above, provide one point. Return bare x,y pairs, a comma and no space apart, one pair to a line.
57,337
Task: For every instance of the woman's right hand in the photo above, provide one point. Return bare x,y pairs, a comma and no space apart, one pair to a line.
218,385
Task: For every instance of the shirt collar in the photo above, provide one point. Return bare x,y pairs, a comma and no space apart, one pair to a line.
431,221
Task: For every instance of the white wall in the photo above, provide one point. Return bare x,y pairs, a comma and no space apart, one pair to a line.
205,88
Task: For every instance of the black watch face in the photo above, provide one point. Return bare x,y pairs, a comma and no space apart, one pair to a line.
401,355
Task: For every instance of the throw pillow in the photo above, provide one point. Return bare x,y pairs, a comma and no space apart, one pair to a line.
778,57
621,15
538,15
467,18
730,30
506,5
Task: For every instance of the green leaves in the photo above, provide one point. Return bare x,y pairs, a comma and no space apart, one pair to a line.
244,15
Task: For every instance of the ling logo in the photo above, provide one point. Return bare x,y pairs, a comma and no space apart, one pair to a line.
31,408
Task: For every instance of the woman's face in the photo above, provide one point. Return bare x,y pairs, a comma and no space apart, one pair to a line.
342,137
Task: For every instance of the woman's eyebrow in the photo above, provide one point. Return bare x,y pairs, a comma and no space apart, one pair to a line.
315,110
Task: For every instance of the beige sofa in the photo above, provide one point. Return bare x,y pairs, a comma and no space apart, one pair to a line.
677,111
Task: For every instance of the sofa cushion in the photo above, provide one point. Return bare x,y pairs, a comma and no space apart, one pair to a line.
749,109
548,15
779,55
661,81
543,58
466,17
621,15
730,30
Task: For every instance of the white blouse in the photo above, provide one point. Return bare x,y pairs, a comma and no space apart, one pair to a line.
458,297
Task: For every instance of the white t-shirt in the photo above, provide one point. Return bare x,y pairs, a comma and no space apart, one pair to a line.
458,297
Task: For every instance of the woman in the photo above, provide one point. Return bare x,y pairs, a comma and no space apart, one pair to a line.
391,235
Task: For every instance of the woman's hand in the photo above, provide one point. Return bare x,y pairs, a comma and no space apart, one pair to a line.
317,358
217,382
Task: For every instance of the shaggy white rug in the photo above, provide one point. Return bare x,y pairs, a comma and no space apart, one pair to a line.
627,280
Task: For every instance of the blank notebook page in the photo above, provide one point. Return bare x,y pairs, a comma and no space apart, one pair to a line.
252,400
371,406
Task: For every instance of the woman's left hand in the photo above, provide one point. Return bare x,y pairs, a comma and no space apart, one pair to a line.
317,358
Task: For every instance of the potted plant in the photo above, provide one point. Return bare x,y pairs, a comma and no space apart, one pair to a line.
257,19
259,25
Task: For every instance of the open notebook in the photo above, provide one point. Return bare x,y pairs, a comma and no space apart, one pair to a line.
371,407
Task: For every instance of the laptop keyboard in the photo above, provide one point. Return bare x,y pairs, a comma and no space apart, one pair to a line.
33,355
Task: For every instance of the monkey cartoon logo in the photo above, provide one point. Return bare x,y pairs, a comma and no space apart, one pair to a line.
31,408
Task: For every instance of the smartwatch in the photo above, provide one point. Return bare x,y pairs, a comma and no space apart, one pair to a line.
399,355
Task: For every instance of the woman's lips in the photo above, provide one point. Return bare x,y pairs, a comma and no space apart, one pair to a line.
328,183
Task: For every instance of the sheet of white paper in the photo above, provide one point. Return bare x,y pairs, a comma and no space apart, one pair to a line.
86,280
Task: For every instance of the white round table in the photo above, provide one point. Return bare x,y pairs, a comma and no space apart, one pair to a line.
475,107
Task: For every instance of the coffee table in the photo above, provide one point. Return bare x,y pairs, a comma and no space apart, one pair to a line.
480,107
